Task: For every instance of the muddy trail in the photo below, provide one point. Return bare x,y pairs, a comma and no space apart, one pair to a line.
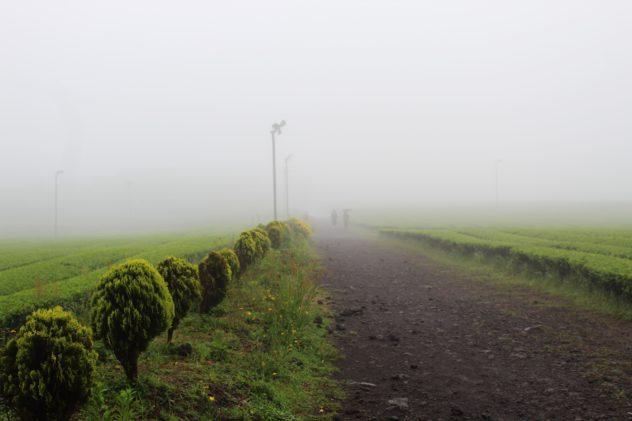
423,341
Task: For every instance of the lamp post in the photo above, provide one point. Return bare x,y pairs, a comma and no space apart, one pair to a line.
58,173
276,129
287,186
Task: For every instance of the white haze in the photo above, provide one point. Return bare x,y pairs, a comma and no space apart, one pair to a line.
159,111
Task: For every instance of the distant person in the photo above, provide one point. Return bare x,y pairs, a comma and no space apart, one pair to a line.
334,217
345,217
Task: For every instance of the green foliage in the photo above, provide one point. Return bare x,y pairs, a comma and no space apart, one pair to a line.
276,236
232,259
47,369
278,233
70,281
125,406
246,249
41,273
97,408
131,306
263,358
184,285
262,240
299,229
603,271
215,274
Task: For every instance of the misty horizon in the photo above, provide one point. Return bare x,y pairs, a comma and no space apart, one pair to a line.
159,114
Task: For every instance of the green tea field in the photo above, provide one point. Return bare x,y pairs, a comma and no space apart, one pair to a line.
36,274
598,258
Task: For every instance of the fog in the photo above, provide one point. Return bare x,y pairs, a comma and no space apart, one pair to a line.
159,112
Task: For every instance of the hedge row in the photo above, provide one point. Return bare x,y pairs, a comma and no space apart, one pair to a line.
607,273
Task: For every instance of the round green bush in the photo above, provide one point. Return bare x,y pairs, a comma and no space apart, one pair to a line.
246,249
233,261
184,285
299,229
47,370
278,233
130,307
262,241
215,274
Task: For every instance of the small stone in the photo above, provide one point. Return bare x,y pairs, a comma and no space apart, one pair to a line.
532,328
401,403
340,326
363,384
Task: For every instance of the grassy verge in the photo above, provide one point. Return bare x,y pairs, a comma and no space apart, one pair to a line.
502,272
258,356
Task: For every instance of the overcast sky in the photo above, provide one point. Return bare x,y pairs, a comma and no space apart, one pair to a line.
159,111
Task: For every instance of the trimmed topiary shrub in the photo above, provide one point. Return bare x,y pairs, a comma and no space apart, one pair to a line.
215,274
130,307
299,229
278,233
184,285
246,249
47,370
262,240
233,261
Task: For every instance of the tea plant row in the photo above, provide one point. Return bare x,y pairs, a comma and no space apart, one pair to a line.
600,265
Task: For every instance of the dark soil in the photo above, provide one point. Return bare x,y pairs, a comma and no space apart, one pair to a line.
425,341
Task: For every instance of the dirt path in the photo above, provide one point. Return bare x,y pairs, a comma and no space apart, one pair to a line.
438,345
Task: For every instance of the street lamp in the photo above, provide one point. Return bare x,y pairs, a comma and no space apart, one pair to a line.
58,173
497,166
276,129
287,186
